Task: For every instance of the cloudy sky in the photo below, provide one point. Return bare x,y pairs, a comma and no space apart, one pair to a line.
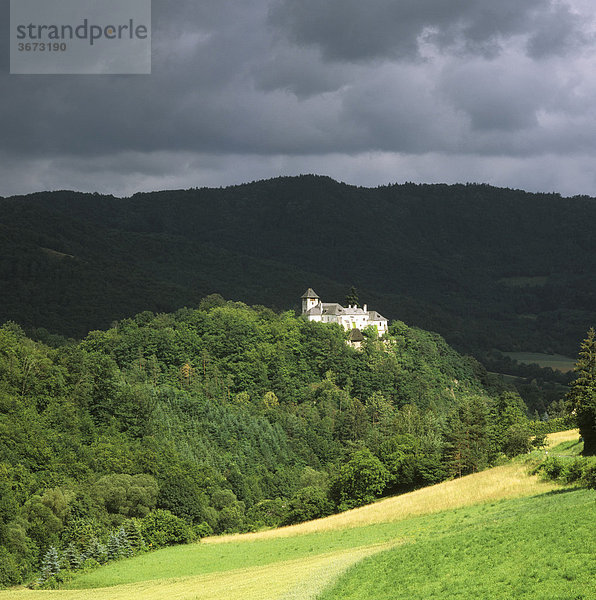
367,92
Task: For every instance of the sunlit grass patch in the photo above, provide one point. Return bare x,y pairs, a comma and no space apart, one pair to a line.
508,481
299,579
554,439
541,547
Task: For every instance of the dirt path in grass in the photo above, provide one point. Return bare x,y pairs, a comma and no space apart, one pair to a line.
300,579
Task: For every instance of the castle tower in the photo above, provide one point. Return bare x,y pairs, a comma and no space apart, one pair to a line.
309,300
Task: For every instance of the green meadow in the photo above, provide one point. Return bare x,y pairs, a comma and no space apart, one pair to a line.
540,545
557,362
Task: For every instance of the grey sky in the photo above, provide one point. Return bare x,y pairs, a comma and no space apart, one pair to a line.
367,92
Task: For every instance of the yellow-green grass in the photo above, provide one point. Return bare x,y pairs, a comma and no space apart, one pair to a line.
297,562
295,579
507,481
560,437
531,548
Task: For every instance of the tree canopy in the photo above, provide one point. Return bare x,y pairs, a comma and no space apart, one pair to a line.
221,419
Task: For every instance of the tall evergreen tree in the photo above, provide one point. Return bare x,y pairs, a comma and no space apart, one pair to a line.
466,437
583,392
50,565
71,557
113,548
352,297
124,543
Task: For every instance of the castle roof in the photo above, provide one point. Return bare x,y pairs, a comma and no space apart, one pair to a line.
373,315
310,293
315,310
332,308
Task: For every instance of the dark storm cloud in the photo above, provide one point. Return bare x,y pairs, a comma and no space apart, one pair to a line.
256,88
352,30
558,30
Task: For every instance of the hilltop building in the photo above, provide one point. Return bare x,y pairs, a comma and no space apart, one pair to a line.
352,317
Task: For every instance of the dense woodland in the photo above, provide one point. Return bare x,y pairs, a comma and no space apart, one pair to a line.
166,426
226,418
487,268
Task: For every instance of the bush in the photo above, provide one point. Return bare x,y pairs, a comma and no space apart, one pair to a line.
551,468
308,503
231,518
9,571
589,475
162,528
572,471
268,513
202,530
90,564
517,440
360,481
580,470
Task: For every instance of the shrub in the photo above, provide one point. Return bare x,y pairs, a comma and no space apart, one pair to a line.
268,513
589,475
308,503
162,528
572,471
202,530
551,468
360,481
90,564
9,571
231,518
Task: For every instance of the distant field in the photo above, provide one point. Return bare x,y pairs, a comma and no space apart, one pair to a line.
416,539
554,361
538,281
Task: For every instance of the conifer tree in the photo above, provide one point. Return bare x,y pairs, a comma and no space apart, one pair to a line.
71,557
133,534
124,543
114,548
583,392
50,565
96,550
352,297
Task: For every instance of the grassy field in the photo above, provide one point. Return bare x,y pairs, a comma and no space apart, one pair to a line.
535,281
556,362
519,530
542,548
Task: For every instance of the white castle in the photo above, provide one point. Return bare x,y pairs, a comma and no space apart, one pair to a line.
352,317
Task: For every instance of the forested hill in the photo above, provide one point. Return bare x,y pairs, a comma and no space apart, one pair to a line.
485,267
225,418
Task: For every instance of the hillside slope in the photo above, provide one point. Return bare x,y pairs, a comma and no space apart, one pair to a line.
483,266
226,419
537,537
